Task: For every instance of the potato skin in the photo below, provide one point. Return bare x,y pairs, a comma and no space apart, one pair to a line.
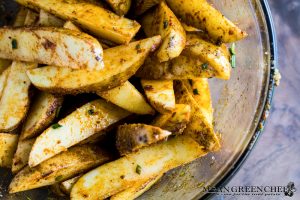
51,46
160,94
97,20
59,168
122,62
153,161
162,21
132,137
200,14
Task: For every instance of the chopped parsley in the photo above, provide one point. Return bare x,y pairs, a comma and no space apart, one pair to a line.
138,169
166,24
233,55
91,111
56,126
14,44
204,66
195,92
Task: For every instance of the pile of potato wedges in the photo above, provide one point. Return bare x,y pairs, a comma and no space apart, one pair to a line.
99,99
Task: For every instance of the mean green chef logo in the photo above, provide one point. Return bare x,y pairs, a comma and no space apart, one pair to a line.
267,191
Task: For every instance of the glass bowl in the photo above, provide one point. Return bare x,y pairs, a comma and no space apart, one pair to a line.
241,106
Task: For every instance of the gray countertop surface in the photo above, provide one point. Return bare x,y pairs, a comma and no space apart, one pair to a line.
275,160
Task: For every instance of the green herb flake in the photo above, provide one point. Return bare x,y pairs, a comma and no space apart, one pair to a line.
56,126
233,61
232,49
204,66
14,44
138,169
195,92
91,111
28,198
166,24
59,178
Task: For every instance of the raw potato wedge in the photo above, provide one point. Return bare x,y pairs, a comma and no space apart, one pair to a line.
14,102
97,20
132,137
201,93
59,168
67,185
129,98
162,21
121,7
144,5
200,127
47,19
8,144
174,122
21,155
51,46
200,14
143,165
216,56
79,125
160,94
121,63
136,190
41,114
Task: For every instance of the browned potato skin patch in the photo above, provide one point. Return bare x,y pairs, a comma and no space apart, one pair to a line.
61,167
131,137
94,18
200,14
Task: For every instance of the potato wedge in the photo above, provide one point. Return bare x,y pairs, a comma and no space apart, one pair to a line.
121,63
174,122
79,125
14,102
8,144
71,26
43,111
121,7
47,19
199,88
144,5
21,156
200,127
136,190
143,165
96,19
202,15
188,28
56,190
3,80
162,21
52,46
181,67
59,168
215,56
31,18
67,185
132,137
129,98
160,94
